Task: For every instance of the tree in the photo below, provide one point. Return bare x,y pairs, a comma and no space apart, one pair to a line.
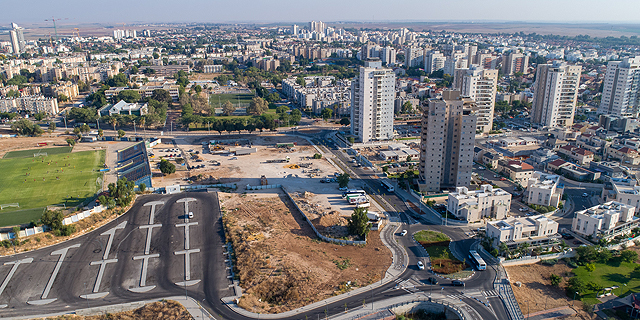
26,128
407,107
129,96
555,279
142,187
359,223
161,95
121,133
62,98
586,253
228,108
591,267
100,133
197,88
167,167
326,113
296,116
83,114
317,156
575,284
343,180
71,142
345,121
257,106
52,127
53,219
39,116
282,109
628,255
273,97
604,255
122,191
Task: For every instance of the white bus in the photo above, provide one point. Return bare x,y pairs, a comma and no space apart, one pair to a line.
351,192
475,257
387,185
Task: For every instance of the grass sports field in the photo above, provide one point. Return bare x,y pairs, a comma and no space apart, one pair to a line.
217,100
35,183
29,153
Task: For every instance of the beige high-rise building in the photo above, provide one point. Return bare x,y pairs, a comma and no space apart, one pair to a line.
515,62
373,94
447,142
555,95
479,85
621,88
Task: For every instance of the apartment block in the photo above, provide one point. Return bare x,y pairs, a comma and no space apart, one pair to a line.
213,68
479,85
146,91
555,94
413,56
579,155
621,88
447,142
542,189
625,192
372,97
434,61
605,221
476,205
536,230
515,62
35,104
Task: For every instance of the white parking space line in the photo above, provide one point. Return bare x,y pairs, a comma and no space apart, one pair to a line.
149,232
145,258
153,205
187,267
186,232
143,276
15,264
103,263
43,299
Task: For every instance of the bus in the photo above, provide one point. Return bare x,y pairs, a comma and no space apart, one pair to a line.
475,257
387,185
353,192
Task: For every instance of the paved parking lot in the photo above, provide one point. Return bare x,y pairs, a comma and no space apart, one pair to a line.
154,250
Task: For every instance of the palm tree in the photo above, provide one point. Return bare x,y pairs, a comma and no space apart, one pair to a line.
113,121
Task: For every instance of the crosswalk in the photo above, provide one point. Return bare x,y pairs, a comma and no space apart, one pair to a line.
456,296
408,285
490,293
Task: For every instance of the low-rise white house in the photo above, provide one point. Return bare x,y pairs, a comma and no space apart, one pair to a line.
125,108
606,220
535,230
542,189
476,205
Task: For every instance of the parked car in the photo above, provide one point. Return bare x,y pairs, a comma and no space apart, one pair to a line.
523,209
585,194
433,280
420,265
503,179
495,175
457,283
342,189
403,233
190,215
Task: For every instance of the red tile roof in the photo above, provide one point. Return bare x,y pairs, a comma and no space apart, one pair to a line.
557,163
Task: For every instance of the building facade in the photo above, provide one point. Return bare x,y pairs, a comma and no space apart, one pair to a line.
447,142
476,205
542,189
536,230
34,104
555,94
515,62
605,221
621,88
480,85
372,99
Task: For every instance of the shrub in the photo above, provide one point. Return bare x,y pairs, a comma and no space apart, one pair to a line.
317,156
549,262
628,256
555,279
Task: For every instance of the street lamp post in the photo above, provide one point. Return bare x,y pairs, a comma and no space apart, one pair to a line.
574,299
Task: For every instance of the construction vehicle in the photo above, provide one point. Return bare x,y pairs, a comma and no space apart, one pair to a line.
263,181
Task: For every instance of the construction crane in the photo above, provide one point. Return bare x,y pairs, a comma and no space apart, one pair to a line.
55,28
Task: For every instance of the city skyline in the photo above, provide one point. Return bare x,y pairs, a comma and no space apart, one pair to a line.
287,10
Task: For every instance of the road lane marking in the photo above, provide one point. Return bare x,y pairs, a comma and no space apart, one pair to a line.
43,299
15,264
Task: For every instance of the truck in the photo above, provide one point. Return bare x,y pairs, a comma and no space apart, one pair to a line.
285,160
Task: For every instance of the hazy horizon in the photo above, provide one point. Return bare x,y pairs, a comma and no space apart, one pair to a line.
282,11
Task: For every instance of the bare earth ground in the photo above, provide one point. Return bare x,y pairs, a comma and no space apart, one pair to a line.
247,169
168,309
537,292
282,265
13,144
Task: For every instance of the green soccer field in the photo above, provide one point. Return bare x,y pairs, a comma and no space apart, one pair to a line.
56,179
217,100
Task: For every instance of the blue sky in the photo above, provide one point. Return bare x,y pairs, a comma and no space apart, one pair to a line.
119,11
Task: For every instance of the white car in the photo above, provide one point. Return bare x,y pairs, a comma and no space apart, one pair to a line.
403,233
420,265
523,209
585,194
190,215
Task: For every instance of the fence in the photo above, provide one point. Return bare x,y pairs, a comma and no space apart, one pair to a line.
269,186
327,239
23,233
206,186
532,260
81,215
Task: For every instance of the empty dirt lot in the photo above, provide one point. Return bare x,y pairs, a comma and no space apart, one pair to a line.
281,264
537,293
